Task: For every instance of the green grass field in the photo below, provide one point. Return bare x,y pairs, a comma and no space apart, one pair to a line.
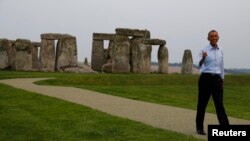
29,116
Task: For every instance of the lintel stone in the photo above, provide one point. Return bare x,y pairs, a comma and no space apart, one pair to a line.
132,32
155,42
54,36
103,36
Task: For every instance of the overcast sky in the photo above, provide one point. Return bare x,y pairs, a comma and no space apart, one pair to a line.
182,23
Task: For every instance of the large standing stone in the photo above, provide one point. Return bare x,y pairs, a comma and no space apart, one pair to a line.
47,53
120,60
140,56
187,62
66,53
6,54
163,59
23,57
98,56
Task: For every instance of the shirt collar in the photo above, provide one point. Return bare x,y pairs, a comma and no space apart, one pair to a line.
211,48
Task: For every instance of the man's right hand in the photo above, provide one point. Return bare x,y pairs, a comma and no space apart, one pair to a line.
204,54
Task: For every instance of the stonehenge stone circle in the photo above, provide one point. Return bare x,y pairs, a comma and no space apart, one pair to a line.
128,51
128,48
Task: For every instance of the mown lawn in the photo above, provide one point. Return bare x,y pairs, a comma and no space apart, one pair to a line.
27,116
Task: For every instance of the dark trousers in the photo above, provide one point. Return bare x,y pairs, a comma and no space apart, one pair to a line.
210,84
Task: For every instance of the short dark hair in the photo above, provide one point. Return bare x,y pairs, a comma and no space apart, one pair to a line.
211,32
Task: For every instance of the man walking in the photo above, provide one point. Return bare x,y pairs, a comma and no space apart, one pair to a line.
211,81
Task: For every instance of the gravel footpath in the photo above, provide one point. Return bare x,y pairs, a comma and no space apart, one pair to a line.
161,116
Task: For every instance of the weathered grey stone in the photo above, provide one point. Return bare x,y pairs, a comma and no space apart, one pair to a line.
47,55
140,56
155,42
187,62
163,59
120,60
4,47
66,53
134,51
106,53
54,36
132,32
103,36
98,56
23,56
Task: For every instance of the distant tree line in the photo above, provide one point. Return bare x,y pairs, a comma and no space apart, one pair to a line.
231,71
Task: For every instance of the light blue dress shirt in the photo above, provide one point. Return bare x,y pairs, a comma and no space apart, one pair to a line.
214,62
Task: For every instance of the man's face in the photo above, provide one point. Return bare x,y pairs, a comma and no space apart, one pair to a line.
213,37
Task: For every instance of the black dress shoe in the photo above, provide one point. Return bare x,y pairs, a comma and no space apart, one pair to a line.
201,132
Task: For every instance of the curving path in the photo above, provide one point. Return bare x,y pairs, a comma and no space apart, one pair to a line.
161,116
